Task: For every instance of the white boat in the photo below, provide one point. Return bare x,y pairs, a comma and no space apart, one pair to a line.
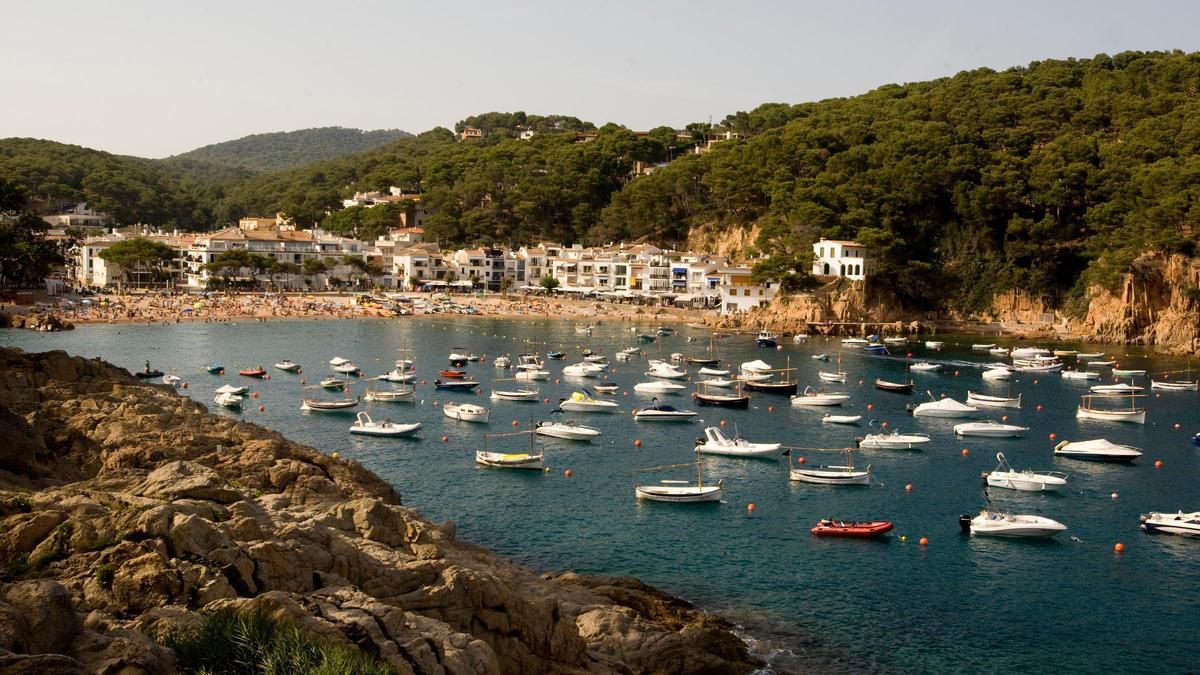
680,491
173,380
289,366
230,389
501,362
841,419
343,366
366,426
1088,356
1101,364
1087,411
799,338
1030,352
466,412
1037,366
894,441
716,443
660,412
406,395
597,359
333,383
666,371
989,428
228,400
1174,386
566,430
1028,480
934,344
830,474
510,460
997,374
1129,372
335,406
998,351
895,341
520,395
1098,450
1065,352
999,524
1183,524
854,342
719,382
812,397
746,377
831,377
398,375
606,388
583,401
820,357
1079,375
630,351
1120,388
458,355
985,401
945,407
658,387
531,374
925,367
718,372
983,347
579,370
755,367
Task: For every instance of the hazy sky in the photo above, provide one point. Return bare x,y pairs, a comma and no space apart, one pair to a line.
157,77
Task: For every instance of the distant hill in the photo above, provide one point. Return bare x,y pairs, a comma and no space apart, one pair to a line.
289,149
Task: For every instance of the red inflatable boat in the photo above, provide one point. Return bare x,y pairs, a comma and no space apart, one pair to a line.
253,372
840,528
453,374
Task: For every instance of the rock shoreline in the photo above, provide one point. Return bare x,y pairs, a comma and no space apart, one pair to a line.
128,510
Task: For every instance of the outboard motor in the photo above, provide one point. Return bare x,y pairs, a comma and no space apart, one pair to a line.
965,523
910,408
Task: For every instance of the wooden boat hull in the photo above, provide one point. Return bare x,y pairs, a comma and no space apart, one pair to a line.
309,405
831,377
679,495
830,477
724,401
894,387
983,401
1129,416
785,388
509,461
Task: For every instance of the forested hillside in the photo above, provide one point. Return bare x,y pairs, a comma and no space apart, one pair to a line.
289,149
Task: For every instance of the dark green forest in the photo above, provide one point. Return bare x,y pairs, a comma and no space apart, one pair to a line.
1046,178
288,149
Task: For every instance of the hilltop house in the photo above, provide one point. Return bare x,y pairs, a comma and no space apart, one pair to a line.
846,259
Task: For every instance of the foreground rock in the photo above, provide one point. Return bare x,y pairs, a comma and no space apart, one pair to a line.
39,321
128,509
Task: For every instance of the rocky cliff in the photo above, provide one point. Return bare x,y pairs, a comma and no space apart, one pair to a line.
1157,303
838,307
128,510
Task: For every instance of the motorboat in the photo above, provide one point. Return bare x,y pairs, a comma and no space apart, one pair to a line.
893,441
230,389
215,369
1004,476
1088,356
456,385
752,377
1088,411
983,347
596,359
646,337
819,357
666,371
661,412
1079,375
1101,364
227,400
1174,386
658,387
935,345
841,419
568,430
606,388
630,351
720,382
999,524
531,374
894,387
718,372
716,443
583,330
1037,366
664,331
343,366
830,474
556,356
895,341
518,395
756,367
501,362
466,412
258,372
1030,352
998,351
925,367
148,373
583,401
722,397
397,375
366,426
1128,372
1119,388
173,380
986,401
1097,450
945,407
458,357
831,377
404,395
453,374
1063,353
766,340
853,342
876,348
680,491
990,429
288,366
579,370
832,527
812,397
1180,523
997,374
333,383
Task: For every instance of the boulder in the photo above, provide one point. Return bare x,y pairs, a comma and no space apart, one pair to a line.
24,537
50,622
184,479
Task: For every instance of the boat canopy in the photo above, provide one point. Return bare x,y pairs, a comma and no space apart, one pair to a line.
756,364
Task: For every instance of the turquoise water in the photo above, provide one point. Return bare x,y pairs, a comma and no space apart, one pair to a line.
959,604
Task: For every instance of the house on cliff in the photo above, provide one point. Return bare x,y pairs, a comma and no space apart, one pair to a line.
848,259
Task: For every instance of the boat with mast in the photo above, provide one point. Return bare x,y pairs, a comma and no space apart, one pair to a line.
1186,384
679,491
708,394
329,405
839,376
1087,409
786,384
520,393
532,458
833,474
711,360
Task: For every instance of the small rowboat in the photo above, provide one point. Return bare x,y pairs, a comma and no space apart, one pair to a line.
925,367
254,372
390,396
842,419
466,412
509,460
453,374
315,405
606,388
1173,386
985,401
1128,372
831,377
829,527
896,387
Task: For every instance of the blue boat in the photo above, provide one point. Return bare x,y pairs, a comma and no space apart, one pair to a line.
875,348
456,385
767,340
215,369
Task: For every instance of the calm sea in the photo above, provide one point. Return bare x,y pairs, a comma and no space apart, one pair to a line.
960,604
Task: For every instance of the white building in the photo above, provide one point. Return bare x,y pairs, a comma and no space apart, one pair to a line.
740,294
840,259
79,216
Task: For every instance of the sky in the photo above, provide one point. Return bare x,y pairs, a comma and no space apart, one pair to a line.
155,78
